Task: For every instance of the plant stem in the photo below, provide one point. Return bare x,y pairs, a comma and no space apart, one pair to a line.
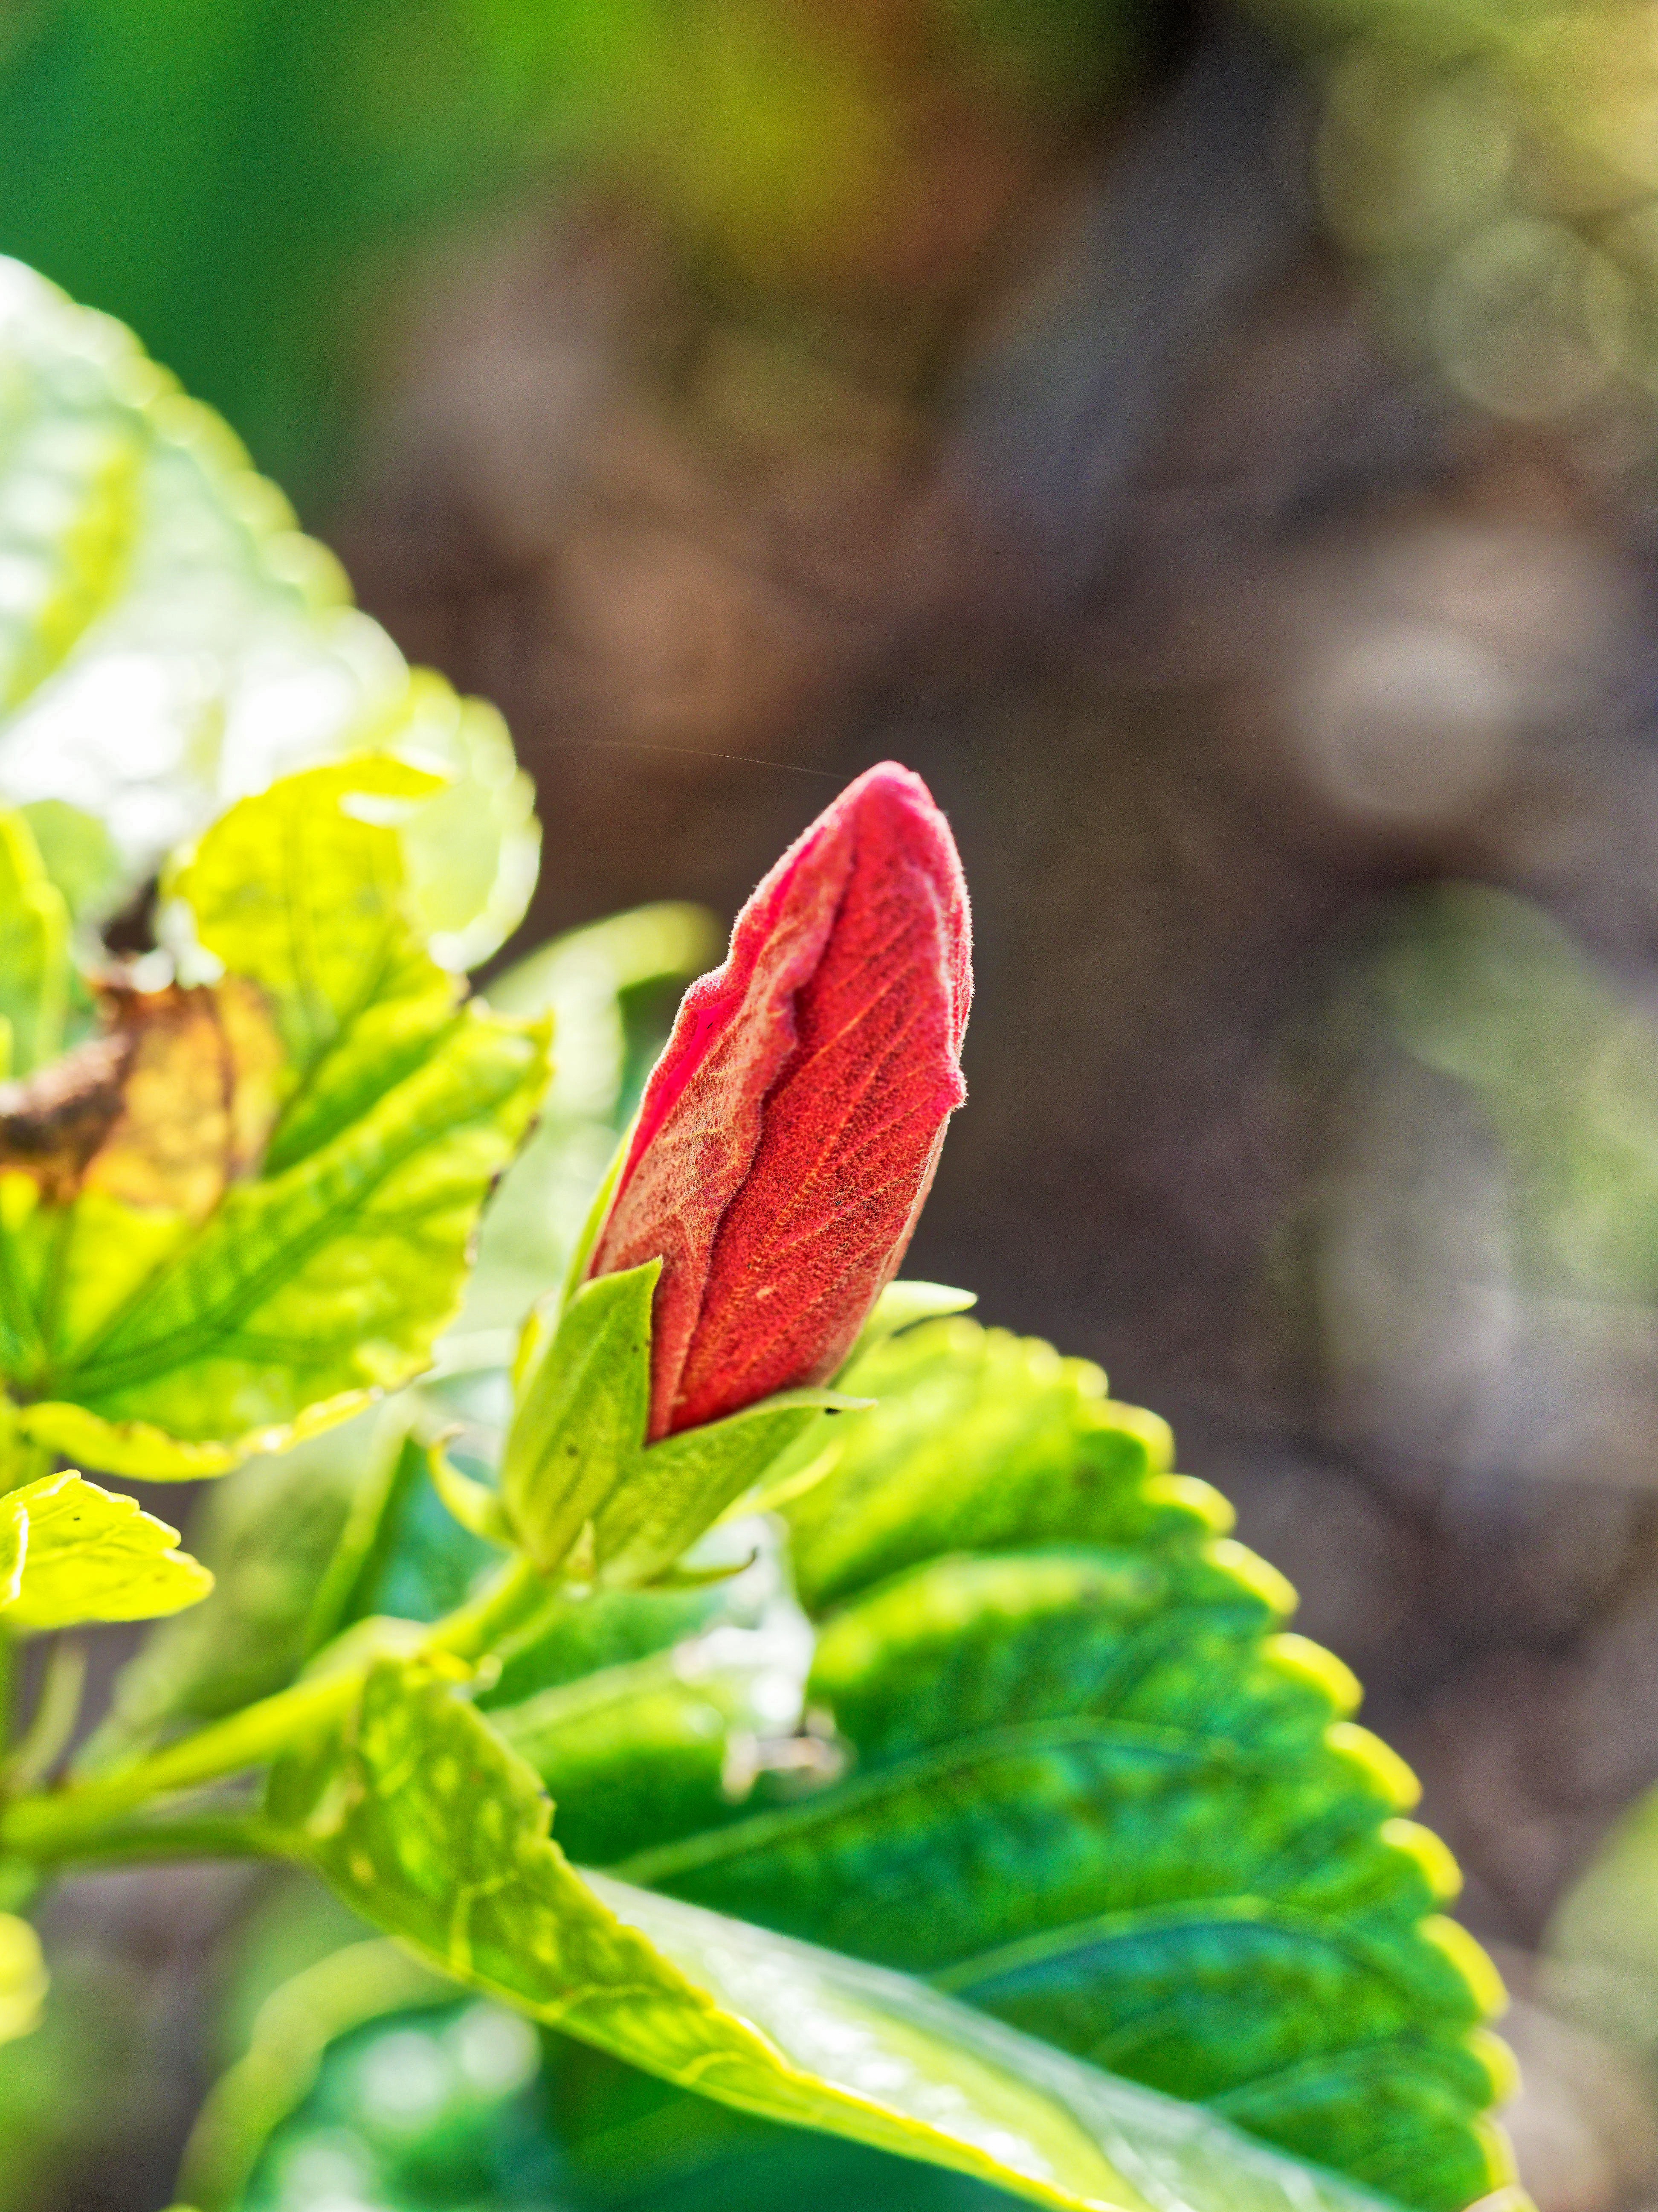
57,1709
505,1603
47,1825
69,1822
191,1835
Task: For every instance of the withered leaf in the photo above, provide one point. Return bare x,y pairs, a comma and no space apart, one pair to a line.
174,1102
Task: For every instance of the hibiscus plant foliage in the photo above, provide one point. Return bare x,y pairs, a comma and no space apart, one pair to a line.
714,1668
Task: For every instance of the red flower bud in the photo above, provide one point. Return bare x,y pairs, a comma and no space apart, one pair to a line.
788,1134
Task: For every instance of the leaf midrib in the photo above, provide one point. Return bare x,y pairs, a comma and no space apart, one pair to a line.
667,1862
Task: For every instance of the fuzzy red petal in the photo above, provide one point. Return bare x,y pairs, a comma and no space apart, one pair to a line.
789,1133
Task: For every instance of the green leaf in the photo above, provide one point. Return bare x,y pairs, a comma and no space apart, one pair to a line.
983,1440
35,968
423,1820
291,2034
1095,1788
303,891
308,1289
79,1553
22,1977
170,642
673,1741
78,854
274,1534
586,1633
171,1328
579,1431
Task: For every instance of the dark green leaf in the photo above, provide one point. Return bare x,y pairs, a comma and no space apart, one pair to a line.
1096,1790
422,1818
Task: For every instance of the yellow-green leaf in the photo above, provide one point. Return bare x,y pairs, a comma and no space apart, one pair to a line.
310,1289
169,1305
22,1977
79,1553
33,952
303,891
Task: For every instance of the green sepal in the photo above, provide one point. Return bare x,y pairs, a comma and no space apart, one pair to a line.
474,1506
905,1305
576,1459
681,1485
579,1431
71,1552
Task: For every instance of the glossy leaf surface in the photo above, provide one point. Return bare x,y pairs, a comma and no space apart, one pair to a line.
421,1817
1093,1787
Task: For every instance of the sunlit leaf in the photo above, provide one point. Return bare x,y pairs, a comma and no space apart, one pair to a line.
1086,1781
303,891
170,642
249,1204
162,1113
421,1817
34,967
80,1554
22,1977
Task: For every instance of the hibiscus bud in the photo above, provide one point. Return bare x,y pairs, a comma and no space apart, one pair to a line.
789,1133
